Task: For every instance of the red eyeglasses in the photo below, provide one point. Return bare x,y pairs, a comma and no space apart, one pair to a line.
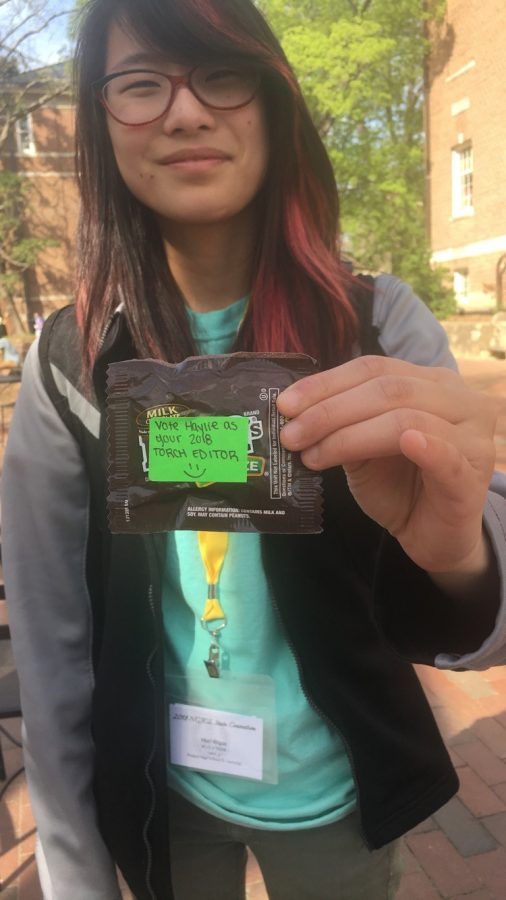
141,96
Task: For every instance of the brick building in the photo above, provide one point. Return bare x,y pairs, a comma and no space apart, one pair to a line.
466,151
40,147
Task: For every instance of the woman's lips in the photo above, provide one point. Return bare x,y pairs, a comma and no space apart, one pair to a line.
195,160
196,165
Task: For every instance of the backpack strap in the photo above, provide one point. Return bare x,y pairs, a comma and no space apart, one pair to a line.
361,294
60,357
60,362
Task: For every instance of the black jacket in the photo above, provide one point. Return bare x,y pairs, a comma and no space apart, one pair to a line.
372,613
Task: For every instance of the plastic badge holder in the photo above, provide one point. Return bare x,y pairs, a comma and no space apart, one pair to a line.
252,695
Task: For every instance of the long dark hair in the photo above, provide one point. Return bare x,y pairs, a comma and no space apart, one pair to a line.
298,297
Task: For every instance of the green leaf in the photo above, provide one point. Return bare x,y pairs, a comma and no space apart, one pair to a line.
361,67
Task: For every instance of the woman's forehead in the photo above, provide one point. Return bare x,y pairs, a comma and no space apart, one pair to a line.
125,51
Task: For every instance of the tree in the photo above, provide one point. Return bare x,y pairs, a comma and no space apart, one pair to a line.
361,66
25,86
17,252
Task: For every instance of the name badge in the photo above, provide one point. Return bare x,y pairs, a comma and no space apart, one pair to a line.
216,741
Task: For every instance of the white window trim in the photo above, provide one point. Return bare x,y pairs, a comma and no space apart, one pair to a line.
470,65
461,283
28,149
458,210
487,247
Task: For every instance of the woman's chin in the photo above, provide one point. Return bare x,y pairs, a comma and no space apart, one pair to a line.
202,216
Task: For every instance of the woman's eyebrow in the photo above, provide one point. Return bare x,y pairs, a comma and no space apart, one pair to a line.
144,57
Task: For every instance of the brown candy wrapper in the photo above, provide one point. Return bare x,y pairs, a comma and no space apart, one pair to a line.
277,493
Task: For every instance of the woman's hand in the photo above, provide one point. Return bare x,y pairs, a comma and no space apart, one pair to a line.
417,446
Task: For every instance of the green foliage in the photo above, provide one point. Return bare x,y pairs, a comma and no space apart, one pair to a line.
17,252
25,86
361,66
75,18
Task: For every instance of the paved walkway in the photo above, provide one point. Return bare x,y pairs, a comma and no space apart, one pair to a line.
459,853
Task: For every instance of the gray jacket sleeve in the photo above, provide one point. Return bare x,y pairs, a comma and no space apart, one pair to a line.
408,330
44,533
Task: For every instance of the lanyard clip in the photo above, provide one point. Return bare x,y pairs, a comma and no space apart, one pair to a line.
213,628
212,663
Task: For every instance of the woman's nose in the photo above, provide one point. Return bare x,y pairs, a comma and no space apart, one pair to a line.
186,112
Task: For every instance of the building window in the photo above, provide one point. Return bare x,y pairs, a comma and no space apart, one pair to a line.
461,283
24,136
462,178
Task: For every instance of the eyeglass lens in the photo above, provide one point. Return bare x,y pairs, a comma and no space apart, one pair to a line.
143,96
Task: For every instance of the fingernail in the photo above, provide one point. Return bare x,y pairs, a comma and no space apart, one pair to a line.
310,458
292,433
289,402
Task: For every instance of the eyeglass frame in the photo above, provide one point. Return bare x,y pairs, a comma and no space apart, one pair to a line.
175,81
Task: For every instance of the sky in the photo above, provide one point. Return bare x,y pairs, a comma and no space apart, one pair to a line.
18,17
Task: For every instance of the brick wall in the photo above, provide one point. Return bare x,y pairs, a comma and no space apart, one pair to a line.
466,107
52,205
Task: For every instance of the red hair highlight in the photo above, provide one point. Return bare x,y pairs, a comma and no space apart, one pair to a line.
299,299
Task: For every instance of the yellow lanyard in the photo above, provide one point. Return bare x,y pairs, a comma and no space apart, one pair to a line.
213,546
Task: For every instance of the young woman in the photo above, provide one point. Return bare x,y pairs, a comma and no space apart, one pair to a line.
209,220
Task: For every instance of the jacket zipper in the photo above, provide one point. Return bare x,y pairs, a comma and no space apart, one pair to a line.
332,725
105,331
110,320
149,818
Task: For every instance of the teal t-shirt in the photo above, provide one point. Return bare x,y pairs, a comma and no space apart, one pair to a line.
315,783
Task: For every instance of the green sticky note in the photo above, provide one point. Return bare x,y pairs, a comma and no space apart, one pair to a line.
198,448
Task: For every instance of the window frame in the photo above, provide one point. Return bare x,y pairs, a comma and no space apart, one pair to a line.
462,181
461,283
25,140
